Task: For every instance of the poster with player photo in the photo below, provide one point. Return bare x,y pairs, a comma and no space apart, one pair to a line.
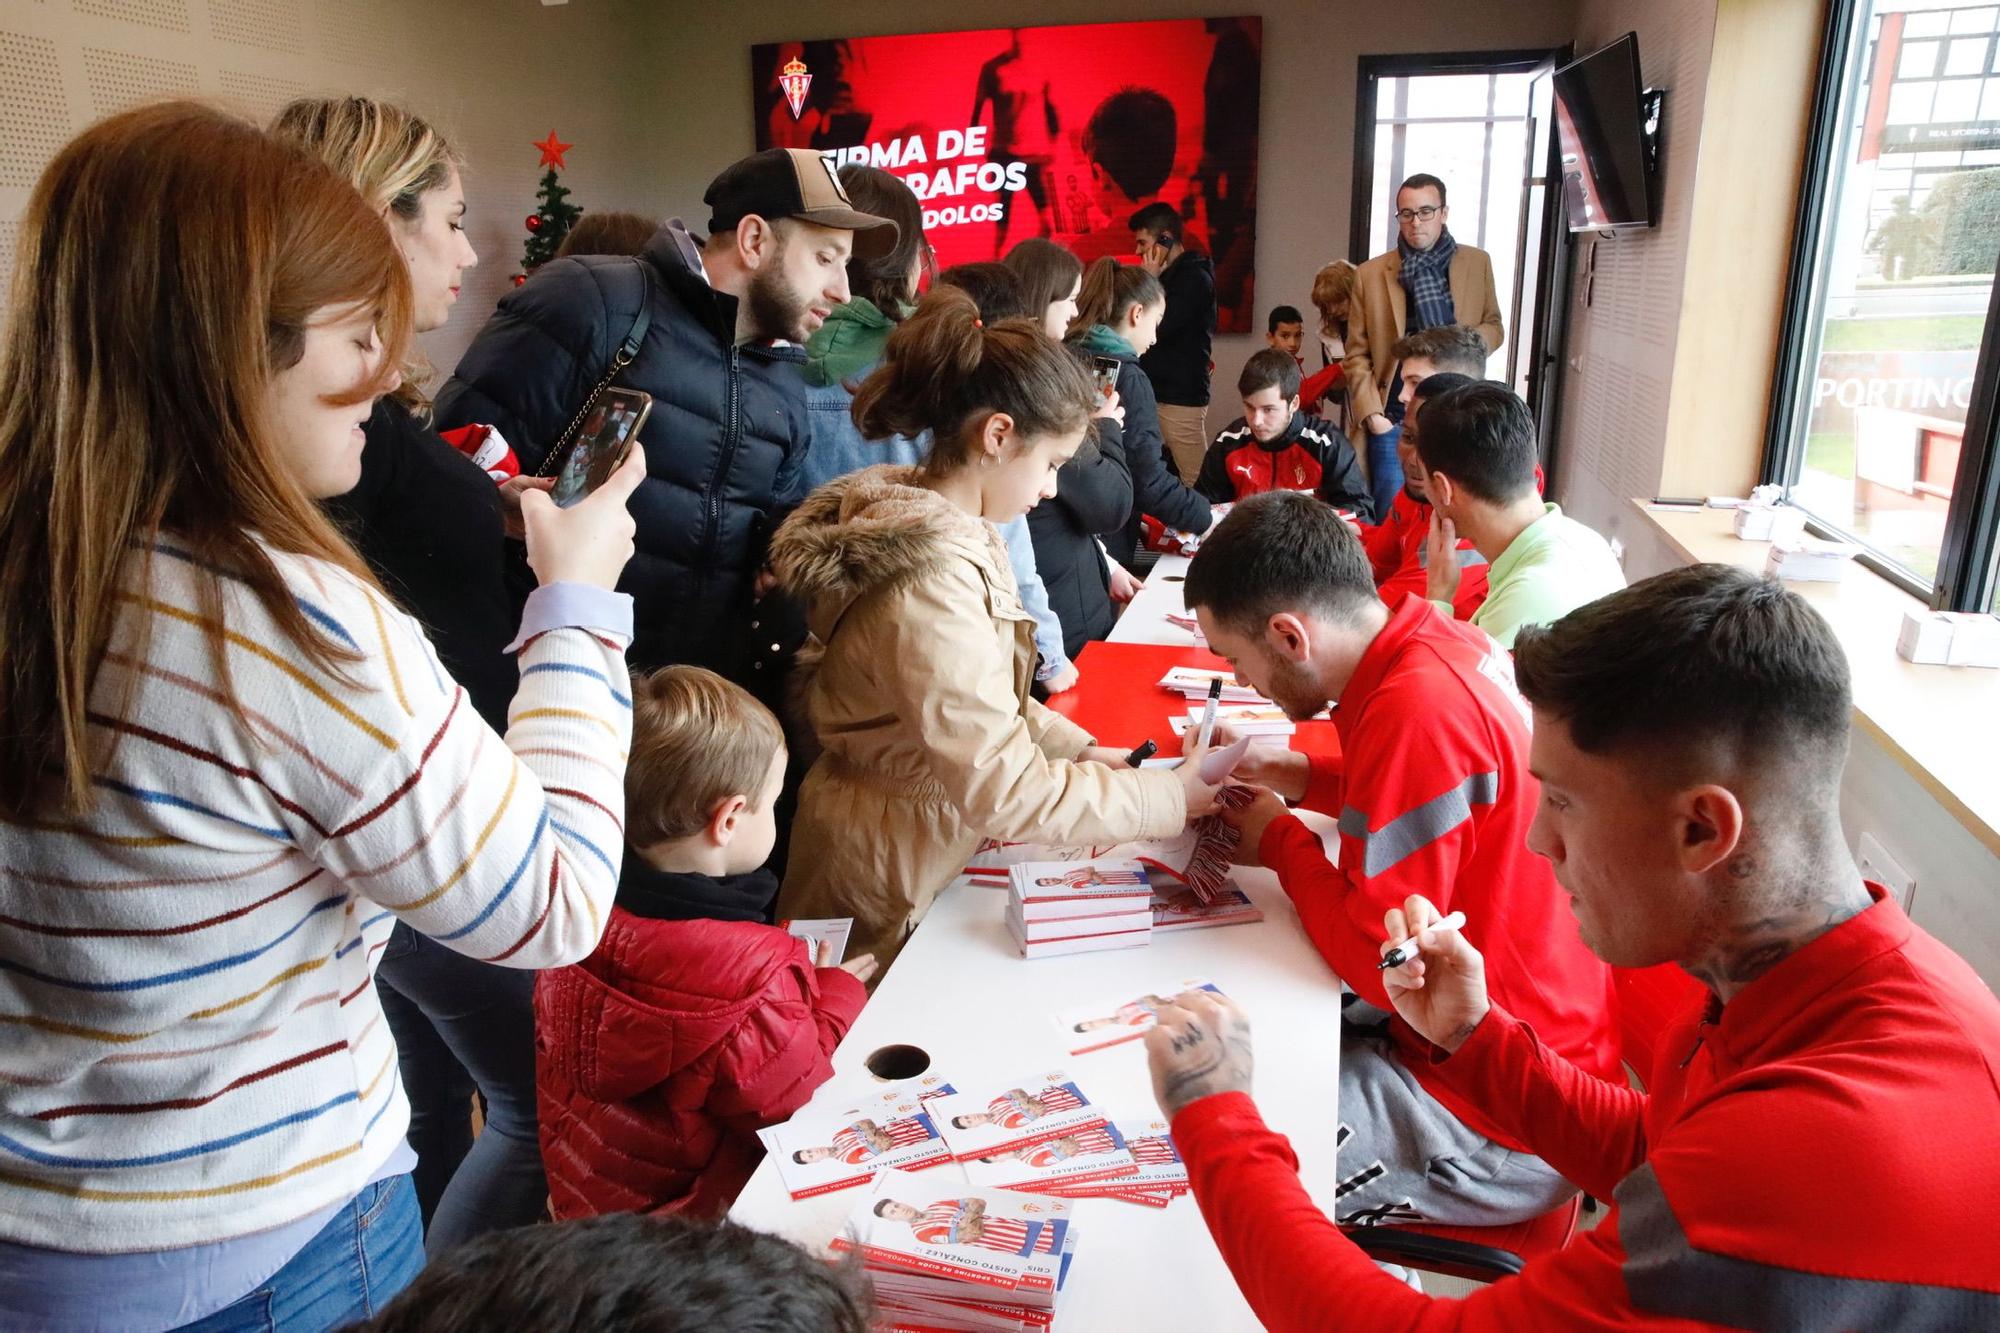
1059,132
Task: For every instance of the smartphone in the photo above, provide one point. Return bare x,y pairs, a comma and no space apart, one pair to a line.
607,436
1105,368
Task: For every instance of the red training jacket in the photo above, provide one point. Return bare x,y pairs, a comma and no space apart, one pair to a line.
661,1054
1820,1154
1397,548
1437,800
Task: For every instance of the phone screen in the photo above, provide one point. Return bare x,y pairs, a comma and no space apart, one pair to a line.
1105,368
608,433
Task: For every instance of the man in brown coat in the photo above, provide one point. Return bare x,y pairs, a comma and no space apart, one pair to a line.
1429,279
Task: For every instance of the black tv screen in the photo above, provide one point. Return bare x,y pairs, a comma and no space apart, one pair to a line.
1602,130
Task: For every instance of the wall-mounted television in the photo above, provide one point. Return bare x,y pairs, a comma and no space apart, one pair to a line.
1607,128
1060,132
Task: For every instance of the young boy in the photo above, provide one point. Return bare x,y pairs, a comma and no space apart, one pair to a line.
1276,446
694,1023
1287,332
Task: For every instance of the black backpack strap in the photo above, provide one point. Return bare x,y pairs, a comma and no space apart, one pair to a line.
626,352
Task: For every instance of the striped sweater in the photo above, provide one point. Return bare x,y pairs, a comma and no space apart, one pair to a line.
193,1049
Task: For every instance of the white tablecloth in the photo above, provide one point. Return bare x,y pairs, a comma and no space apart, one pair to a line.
960,992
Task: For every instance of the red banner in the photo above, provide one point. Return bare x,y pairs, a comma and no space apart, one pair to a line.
1060,132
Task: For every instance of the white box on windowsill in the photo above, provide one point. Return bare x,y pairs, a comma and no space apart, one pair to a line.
1809,560
1949,638
1768,523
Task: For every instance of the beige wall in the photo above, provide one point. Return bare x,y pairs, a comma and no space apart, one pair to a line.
1667,370
1619,358
495,74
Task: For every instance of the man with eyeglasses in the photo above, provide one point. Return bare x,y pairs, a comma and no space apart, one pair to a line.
1428,280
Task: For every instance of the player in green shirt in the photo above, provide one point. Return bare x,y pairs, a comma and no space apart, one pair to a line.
1478,452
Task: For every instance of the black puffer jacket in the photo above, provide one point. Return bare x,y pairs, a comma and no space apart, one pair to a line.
428,521
1093,495
723,445
1156,488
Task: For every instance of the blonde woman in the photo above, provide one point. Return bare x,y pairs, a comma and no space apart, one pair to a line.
228,762
429,522
1332,293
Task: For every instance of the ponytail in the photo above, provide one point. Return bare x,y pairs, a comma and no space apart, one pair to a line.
1109,290
943,370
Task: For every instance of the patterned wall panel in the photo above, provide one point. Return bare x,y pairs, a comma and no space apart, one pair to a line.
170,15
34,116
274,25
119,79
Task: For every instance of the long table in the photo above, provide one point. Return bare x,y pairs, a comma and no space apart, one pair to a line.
961,993
1145,618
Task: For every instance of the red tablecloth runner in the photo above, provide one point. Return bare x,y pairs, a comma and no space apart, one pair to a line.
1120,701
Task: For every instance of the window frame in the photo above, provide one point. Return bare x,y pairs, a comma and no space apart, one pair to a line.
1370,71
1966,556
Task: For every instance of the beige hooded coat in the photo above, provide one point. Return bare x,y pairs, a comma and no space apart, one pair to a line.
930,740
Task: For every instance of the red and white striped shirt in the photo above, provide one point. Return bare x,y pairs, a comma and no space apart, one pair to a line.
1013,1112
943,1221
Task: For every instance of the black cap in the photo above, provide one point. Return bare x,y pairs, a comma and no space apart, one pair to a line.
793,183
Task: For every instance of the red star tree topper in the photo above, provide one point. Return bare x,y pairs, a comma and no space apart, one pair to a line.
548,225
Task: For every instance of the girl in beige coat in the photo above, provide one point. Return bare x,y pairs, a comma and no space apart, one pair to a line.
930,740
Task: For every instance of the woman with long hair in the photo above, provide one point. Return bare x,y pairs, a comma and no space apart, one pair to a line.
430,523
1053,279
920,693
1094,489
851,344
228,761
1118,316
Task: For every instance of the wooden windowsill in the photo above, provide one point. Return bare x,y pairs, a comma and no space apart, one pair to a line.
1942,724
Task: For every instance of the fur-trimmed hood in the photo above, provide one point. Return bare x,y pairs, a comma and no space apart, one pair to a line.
869,530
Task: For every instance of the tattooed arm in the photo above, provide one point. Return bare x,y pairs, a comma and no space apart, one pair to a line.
1200,1046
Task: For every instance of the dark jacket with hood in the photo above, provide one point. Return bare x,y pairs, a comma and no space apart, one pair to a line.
691,1026
1177,362
1156,488
723,445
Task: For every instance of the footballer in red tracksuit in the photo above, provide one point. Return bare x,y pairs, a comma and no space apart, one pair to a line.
1398,551
1309,455
1436,799
1820,1153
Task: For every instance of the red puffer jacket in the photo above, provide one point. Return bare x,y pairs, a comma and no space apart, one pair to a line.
659,1056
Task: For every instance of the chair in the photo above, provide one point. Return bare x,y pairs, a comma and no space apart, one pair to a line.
1646,999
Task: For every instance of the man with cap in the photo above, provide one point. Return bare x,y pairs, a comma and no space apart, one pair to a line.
710,324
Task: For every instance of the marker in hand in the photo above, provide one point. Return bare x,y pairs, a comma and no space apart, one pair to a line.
1208,713
1407,950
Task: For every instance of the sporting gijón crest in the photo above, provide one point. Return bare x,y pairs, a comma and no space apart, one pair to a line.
795,79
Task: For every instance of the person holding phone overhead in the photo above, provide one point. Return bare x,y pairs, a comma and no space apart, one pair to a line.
432,527
931,741
230,763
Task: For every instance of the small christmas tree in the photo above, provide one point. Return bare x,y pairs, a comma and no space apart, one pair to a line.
548,226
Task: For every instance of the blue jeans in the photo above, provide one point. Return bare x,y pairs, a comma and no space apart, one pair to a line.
461,1023
371,1250
1385,469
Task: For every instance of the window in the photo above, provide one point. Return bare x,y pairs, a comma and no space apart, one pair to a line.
1882,421
1477,120
1469,130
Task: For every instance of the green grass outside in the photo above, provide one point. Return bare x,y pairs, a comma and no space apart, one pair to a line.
1934,333
1831,453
